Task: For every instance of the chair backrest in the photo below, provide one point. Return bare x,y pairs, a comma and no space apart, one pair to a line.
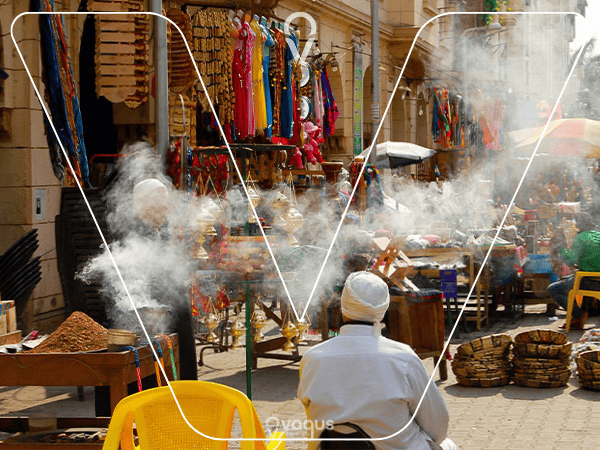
209,408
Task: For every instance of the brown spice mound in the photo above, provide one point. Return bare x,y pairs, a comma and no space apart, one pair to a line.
79,333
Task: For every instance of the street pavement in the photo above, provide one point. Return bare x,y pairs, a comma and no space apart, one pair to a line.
509,417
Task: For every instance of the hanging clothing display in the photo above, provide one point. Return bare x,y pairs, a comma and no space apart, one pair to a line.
258,89
287,99
242,82
318,99
441,123
61,88
269,42
260,93
331,112
277,74
492,121
457,107
212,44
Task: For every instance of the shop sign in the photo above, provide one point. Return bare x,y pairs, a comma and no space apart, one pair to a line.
448,283
358,98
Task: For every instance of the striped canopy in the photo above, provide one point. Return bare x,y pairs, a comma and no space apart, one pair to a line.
566,137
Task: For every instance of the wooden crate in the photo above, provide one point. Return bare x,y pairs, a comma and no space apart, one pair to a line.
420,325
11,338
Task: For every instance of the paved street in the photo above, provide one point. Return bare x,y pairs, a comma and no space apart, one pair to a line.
509,417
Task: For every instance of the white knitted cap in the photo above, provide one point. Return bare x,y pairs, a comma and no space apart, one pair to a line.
149,192
365,297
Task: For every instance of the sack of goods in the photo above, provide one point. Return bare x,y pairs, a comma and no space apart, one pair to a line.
541,359
588,369
484,362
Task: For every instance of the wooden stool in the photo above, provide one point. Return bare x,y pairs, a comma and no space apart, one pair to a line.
578,292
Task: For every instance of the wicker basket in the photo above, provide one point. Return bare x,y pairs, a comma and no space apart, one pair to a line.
585,375
543,350
484,382
592,385
533,383
586,364
493,344
539,363
541,337
590,355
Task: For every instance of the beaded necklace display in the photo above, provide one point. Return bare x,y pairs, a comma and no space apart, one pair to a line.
211,49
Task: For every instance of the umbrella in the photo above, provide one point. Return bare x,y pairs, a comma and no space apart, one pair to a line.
566,137
398,154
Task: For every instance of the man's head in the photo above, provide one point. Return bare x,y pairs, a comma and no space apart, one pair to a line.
365,297
150,201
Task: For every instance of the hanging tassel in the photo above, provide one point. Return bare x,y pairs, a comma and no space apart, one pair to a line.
173,367
137,366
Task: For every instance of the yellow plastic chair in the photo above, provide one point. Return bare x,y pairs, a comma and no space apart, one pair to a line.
577,294
209,407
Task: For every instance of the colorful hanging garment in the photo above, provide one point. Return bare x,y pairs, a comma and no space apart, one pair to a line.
287,98
331,109
242,75
492,122
61,89
277,69
269,42
318,99
258,89
441,123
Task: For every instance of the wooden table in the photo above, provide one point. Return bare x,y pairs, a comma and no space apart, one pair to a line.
482,289
481,311
115,370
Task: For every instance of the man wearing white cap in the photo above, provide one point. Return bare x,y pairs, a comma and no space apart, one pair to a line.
150,203
362,378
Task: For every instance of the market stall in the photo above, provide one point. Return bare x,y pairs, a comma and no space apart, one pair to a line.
80,352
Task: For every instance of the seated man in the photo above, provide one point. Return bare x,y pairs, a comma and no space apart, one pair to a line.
585,255
362,378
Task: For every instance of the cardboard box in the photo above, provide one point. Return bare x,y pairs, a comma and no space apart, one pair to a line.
8,316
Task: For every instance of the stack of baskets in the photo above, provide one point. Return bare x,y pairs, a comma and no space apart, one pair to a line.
541,359
484,362
588,369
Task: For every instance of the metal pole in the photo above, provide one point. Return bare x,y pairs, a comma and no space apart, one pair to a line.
375,92
248,343
161,105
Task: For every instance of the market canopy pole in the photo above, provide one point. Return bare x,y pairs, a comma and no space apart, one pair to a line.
161,104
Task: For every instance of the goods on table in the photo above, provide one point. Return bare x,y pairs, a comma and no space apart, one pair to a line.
79,333
541,359
588,369
484,362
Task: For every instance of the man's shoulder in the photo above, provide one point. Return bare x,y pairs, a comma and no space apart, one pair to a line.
381,345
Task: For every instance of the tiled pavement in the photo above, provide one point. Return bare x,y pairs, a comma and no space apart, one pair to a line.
509,417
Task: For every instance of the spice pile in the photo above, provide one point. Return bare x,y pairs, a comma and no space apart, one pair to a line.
79,333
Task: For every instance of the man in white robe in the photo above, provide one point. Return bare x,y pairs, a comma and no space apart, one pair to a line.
362,378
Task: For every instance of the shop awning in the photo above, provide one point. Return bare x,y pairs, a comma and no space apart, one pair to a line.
566,137
398,154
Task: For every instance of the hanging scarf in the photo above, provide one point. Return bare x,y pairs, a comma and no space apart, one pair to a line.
331,109
61,88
